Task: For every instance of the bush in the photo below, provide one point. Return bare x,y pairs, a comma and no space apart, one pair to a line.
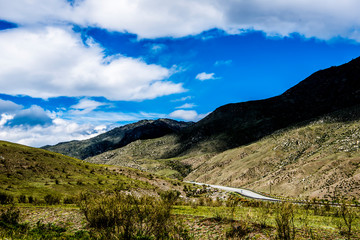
284,219
46,231
119,216
31,199
22,198
345,218
10,216
52,199
6,198
70,200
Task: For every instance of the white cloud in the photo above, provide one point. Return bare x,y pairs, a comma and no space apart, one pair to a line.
33,12
182,99
188,115
186,105
53,62
8,106
149,19
36,127
85,106
110,118
323,19
205,76
60,131
4,118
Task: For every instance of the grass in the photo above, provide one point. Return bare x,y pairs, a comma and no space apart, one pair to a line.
202,222
29,172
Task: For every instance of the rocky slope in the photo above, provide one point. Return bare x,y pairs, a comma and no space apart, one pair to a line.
320,158
119,137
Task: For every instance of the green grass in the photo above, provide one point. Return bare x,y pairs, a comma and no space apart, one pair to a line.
203,222
36,172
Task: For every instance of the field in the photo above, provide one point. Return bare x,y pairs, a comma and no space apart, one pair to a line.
199,218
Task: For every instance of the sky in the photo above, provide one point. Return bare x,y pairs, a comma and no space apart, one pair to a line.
72,69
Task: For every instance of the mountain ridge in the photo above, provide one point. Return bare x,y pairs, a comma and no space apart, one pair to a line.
235,124
118,137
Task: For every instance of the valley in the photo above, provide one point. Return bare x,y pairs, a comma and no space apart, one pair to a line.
303,145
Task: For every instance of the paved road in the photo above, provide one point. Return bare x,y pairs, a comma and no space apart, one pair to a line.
241,191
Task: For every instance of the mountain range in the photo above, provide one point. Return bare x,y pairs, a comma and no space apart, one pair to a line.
255,144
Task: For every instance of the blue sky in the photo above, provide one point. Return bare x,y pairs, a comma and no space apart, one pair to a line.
74,69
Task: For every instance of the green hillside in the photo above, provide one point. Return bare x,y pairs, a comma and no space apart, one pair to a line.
36,173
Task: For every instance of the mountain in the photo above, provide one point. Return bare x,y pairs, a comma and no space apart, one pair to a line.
304,142
147,155
319,158
237,124
119,137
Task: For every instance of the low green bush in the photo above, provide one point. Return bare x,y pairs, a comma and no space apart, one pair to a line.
117,215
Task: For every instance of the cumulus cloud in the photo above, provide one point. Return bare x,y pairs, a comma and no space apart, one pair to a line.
323,19
205,76
188,115
52,62
8,106
40,135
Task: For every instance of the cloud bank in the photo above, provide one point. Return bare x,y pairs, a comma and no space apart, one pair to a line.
324,19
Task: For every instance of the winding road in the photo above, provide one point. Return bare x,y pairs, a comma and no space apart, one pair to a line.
241,191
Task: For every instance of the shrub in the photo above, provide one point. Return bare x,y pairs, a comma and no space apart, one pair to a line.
284,219
116,215
6,198
347,215
46,231
52,199
31,199
70,200
9,216
22,198
238,230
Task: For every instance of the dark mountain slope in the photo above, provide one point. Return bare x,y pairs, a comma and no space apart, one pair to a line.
119,137
236,124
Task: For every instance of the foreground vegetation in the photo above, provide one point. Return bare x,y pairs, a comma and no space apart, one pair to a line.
120,215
